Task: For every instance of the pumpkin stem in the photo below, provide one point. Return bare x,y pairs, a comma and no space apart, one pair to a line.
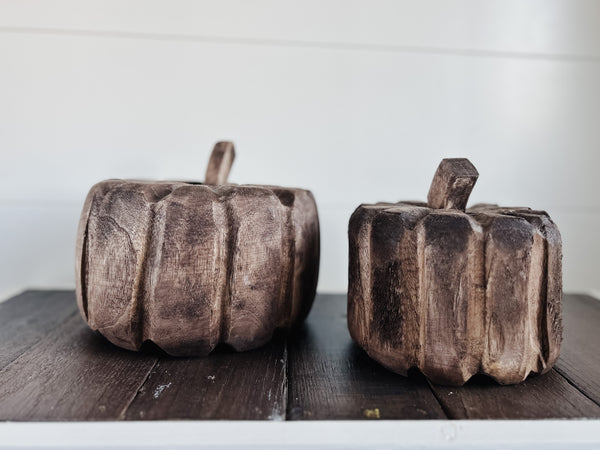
220,163
452,184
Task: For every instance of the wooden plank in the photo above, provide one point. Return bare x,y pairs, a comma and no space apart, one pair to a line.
224,385
55,368
580,358
29,317
72,374
547,396
332,378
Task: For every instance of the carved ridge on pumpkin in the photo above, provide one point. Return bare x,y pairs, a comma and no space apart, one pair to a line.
231,231
306,255
286,295
142,294
81,258
360,310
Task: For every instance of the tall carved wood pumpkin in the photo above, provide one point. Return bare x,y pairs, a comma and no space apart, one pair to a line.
191,265
452,292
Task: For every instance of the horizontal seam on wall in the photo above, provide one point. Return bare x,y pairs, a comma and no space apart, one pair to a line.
322,45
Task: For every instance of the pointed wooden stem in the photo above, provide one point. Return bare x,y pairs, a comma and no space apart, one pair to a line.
452,184
220,163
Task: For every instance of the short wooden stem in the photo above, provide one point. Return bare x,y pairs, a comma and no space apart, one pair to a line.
220,163
452,184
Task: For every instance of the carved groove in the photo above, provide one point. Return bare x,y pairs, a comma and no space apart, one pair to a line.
168,291
504,263
231,230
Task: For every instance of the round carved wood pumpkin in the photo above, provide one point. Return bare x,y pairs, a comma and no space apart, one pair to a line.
191,265
452,292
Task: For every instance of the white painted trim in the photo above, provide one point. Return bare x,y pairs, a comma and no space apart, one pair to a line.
490,434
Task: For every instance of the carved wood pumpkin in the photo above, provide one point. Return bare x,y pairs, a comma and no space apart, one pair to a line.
191,265
453,292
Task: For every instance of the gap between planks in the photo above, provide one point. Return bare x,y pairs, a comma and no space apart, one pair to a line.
289,383
572,383
123,413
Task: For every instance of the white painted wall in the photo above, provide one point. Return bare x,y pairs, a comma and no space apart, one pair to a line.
356,100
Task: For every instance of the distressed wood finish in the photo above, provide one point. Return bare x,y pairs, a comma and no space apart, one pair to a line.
452,184
219,164
455,293
330,378
548,396
189,265
233,386
71,374
29,318
580,356
64,371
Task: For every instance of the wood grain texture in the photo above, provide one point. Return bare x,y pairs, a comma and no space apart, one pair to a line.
29,317
234,386
72,374
548,396
188,266
580,358
330,378
452,184
456,293
220,163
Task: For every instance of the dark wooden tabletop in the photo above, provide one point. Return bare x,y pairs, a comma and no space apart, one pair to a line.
52,367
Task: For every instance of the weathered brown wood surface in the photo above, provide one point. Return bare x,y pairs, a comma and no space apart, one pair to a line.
225,385
456,293
539,397
331,378
452,184
71,374
64,371
188,266
580,357
572,389
29,318
219,164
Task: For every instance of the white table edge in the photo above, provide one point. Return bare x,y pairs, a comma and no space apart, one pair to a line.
486,434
